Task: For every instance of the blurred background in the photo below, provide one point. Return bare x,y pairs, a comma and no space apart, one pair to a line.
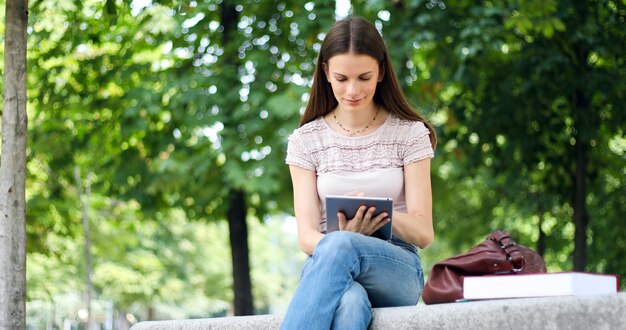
156,184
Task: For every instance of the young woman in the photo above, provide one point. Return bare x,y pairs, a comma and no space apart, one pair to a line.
358,135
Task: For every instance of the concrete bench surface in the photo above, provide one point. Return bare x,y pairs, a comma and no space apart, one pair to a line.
571,312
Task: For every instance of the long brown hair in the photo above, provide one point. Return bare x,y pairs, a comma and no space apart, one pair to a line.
358,36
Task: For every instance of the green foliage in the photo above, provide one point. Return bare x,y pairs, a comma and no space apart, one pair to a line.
165,262
237,103
169,115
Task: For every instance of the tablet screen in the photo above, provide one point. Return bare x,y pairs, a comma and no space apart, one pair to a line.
349,205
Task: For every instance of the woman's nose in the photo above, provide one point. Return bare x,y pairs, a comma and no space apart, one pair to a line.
352,88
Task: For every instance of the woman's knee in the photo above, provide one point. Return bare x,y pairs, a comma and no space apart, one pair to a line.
338,241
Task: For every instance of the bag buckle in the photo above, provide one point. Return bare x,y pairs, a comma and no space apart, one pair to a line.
522,266
507,245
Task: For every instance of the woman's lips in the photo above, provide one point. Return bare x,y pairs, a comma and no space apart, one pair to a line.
352,102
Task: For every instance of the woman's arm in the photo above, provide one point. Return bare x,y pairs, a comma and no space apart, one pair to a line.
416,226
307,207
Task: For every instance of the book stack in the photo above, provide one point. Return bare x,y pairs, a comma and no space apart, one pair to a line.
538,285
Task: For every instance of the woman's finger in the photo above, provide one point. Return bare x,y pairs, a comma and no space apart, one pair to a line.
360,212
377,222
343,222
381,220
370,213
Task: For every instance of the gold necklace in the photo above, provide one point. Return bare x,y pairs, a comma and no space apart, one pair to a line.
355,132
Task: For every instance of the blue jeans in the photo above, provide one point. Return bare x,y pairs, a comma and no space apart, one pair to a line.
347,275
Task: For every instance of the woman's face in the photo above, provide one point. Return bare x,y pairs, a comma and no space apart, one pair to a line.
353,78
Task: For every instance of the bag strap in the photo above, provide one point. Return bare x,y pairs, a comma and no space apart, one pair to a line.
506,243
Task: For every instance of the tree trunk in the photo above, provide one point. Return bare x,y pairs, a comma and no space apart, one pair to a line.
239,245
84,194
237,203
541,240
13,170
585,121
581,216
151,312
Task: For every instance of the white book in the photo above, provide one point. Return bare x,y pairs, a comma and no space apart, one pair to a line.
538,285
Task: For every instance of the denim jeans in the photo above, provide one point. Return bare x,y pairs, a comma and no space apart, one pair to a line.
348,274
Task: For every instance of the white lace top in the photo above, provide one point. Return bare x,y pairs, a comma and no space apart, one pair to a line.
371,164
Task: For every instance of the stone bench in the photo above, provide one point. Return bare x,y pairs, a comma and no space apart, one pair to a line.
573,312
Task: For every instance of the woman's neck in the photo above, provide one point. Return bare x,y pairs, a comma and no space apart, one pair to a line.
358,122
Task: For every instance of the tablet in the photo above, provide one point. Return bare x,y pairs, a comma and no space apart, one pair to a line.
349,205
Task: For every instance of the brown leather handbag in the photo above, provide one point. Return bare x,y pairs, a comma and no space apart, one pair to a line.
497,254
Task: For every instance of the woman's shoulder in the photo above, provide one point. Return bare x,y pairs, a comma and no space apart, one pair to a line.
413,137
406,126
308,130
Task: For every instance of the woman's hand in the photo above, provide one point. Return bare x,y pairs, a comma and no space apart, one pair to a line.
364,221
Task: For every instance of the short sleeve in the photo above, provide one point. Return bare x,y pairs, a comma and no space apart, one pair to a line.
417,145
297,152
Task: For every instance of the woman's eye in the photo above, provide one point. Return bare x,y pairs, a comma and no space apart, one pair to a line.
361,78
